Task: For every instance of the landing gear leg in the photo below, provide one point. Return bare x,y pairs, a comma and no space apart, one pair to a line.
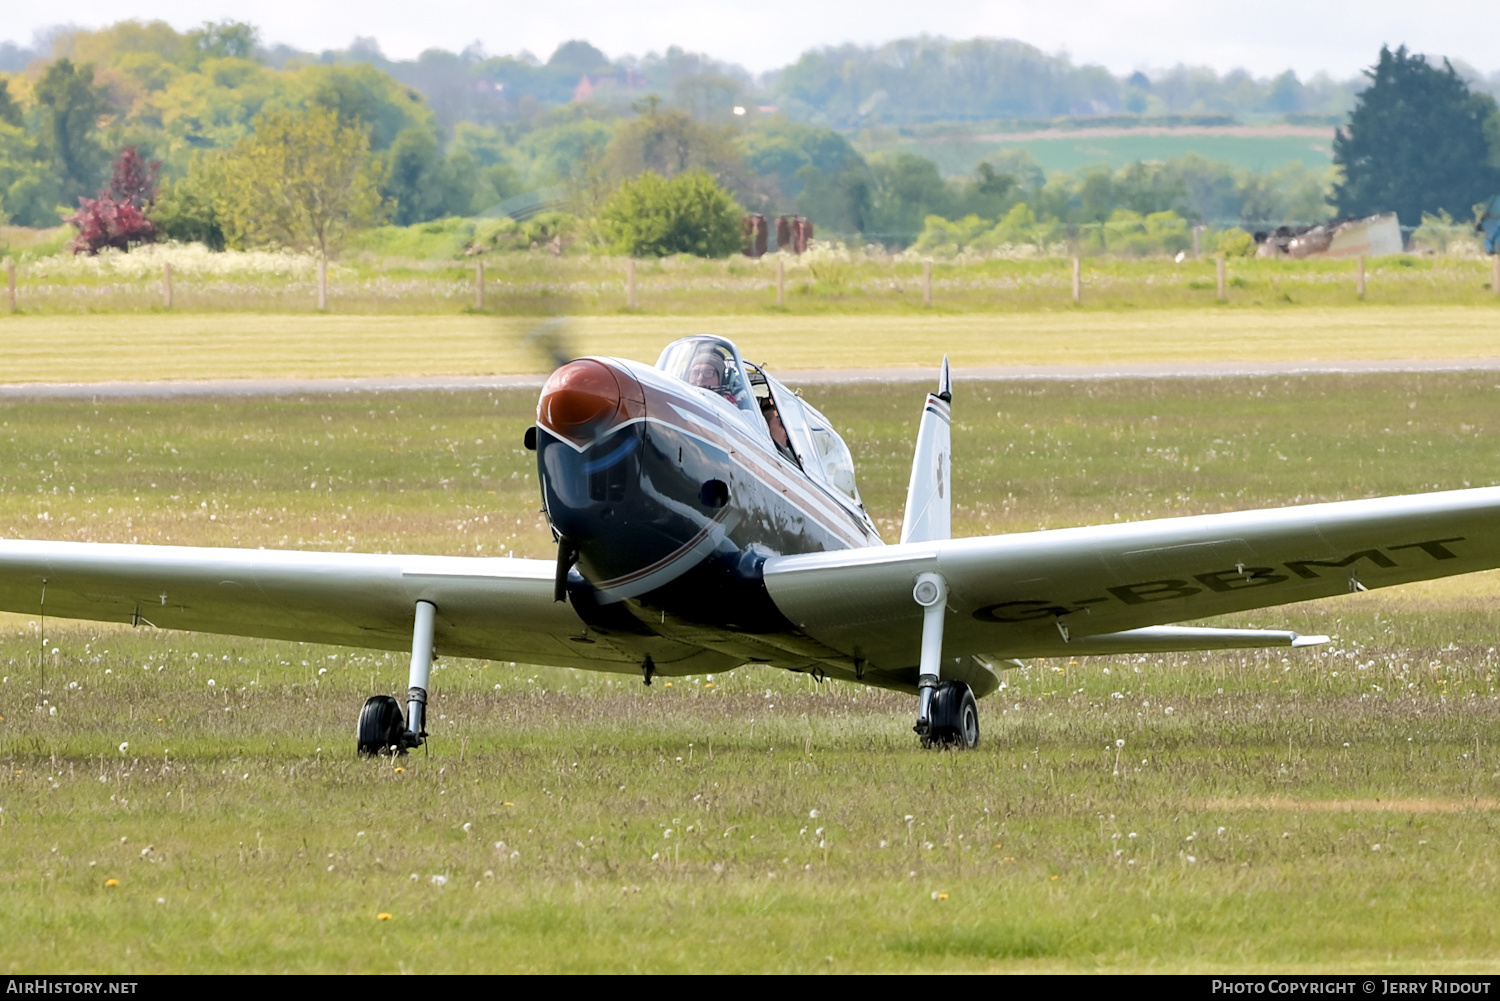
381,729
931,593
421,667
947,715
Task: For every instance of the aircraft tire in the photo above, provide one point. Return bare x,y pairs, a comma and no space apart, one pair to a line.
955,717
381,727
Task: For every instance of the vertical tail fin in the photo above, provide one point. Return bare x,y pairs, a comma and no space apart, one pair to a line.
929,493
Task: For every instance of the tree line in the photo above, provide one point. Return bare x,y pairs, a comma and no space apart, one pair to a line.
197,104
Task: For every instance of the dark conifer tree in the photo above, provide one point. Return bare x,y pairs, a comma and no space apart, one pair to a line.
1415,143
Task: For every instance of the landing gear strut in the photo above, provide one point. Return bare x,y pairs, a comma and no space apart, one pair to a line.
381,728
946,713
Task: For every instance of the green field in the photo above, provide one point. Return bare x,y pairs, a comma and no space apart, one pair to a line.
830,281
959,155
211,346
1334,809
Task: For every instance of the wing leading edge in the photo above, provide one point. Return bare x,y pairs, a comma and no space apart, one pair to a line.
496,607
1070,591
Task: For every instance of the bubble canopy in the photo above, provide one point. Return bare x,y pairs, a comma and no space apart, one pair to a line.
711,363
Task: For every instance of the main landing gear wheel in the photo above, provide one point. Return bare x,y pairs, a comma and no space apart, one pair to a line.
381,727
955,717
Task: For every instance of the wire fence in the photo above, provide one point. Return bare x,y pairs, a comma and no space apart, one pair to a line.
830,276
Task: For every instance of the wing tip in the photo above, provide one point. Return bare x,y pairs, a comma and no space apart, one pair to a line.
1299,640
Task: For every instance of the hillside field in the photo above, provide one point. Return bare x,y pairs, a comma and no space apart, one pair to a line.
1261,150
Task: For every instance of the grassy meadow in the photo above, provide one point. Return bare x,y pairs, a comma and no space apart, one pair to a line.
179,803
869,281
99,348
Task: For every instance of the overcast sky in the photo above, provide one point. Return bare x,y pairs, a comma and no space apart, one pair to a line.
1265,37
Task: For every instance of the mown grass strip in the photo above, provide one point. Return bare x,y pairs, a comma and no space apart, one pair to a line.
242,346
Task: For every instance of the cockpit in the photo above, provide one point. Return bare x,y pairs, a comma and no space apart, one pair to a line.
802,435
711,363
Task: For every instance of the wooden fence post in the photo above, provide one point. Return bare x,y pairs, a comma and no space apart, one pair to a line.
322,284
10,283
927,283
630,282
479,285
1360,271
166,284
780,280
1077,280
1219,271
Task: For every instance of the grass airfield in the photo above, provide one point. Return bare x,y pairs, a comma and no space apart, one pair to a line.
1333,809
122,346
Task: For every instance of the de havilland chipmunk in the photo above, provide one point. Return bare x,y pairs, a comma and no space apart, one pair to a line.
707,517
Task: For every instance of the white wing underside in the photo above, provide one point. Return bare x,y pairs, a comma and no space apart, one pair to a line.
1095,590
495,608
1106,589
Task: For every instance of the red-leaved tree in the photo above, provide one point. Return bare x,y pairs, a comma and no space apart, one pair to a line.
117,218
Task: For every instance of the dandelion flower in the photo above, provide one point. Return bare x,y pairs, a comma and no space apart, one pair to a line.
400,769
111,882
383,916
1054,879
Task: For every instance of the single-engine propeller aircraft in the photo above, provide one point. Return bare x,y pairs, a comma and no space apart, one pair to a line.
707,517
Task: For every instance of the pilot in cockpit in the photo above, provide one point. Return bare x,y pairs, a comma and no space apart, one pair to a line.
707,372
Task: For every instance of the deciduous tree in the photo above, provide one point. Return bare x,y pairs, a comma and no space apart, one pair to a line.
117,217
70,106
300,180
652,216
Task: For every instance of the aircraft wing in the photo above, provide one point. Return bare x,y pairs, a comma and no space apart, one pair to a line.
1077,590
497,608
